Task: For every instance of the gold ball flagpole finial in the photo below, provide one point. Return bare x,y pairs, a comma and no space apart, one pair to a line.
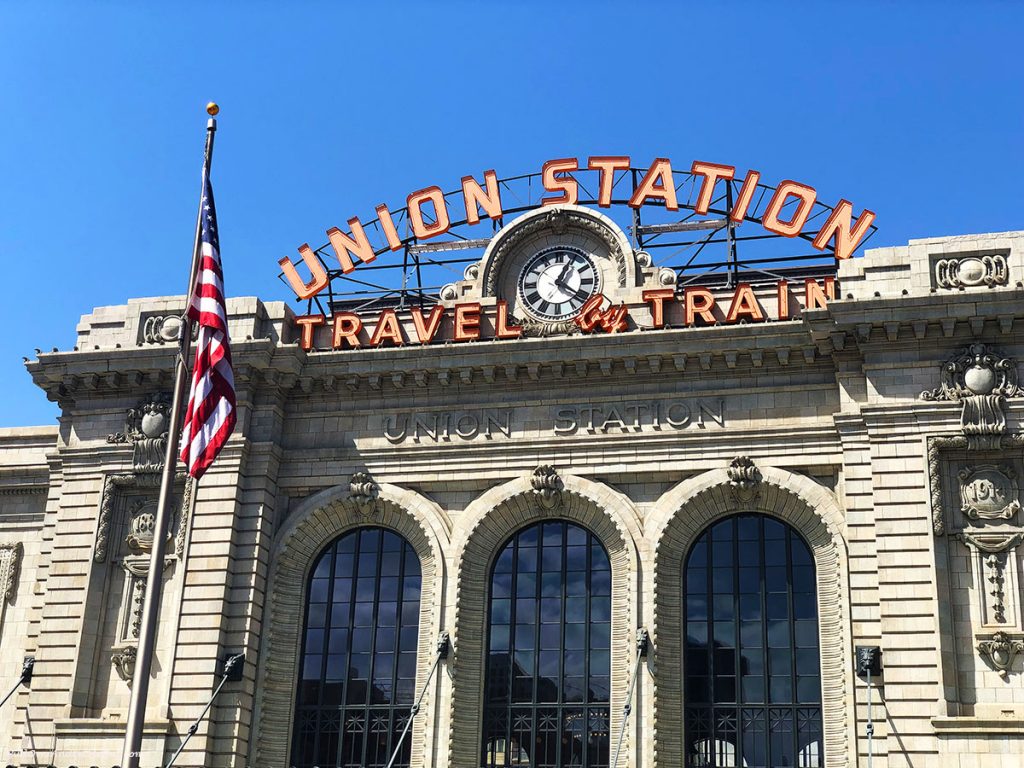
212,109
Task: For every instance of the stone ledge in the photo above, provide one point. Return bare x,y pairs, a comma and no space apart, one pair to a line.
965,726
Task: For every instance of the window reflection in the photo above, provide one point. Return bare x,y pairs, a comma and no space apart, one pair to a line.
549,640
752,686
359,652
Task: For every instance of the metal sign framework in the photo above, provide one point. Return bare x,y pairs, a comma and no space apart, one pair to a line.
708,250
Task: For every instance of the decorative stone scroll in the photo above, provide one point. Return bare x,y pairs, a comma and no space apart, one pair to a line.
981,381
146,428
999,651
10,567
109,500
970,271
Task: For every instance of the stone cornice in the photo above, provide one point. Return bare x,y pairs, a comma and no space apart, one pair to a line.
844,329
262,364
908,318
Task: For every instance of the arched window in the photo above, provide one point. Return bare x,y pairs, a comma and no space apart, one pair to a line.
546,695
358,672
752,682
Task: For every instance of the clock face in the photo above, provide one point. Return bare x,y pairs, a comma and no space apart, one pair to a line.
557,281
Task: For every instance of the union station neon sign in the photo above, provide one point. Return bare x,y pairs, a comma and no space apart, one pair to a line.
562,300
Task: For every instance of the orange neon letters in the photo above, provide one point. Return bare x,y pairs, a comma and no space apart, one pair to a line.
699,302
317,281
388,225
502,330
747,190
358,245
347,326
814,297
787,189
425,331
475,197
838,226
783,294
657,182
607,166
467,322
387,329
307,325
657,299
566,184
441,222
711,172
744,304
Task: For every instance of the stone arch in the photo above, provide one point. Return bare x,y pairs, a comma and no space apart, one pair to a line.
491,519
318,521
678,519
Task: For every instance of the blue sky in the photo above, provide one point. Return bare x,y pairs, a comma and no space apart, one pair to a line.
914,110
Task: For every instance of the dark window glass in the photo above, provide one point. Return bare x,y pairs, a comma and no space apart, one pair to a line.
549,639
752,686
359,652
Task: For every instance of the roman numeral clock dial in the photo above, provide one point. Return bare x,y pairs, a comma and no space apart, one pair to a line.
556,282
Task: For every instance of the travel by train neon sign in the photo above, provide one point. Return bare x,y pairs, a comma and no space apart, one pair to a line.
357,309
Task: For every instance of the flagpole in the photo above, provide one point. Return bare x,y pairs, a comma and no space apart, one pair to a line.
151,601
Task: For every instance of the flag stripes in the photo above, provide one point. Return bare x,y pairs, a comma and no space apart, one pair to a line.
210,416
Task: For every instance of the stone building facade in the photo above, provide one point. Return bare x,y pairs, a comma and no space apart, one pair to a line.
884,430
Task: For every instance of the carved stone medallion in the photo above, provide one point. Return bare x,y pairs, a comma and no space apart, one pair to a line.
988,492
163,329
969,271
142,526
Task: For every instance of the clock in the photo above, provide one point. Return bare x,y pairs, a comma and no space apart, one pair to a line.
557,281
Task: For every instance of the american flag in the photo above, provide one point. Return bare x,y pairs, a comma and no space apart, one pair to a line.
210,417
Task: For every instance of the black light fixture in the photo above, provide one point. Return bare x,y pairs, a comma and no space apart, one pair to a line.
869,664
27,665
230,669
869,661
